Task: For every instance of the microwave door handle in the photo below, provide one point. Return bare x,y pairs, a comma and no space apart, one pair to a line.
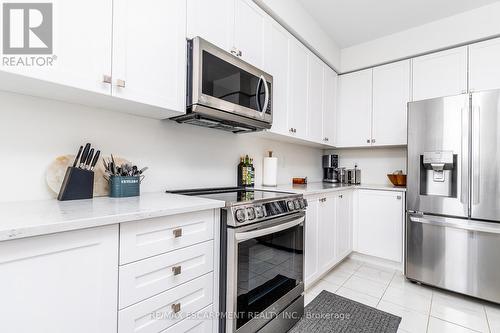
244,236
266,88
257,94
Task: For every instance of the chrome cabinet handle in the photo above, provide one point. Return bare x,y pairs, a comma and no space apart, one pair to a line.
234,51
398,197
106,79
341,196
177,270
240,53
177,232
176,307
120,83
373,140
368,141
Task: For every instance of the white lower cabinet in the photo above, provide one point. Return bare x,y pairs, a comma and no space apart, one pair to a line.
379,224
64,282
168,308
201,322
328,232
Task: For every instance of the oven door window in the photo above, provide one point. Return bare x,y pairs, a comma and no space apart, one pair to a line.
227,82
268,268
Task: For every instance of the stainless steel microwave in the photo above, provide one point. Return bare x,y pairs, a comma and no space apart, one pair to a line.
224,92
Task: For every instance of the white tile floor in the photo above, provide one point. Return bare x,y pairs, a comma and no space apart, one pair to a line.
422,309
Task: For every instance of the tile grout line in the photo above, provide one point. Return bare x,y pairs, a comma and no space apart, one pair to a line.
487,320
385,290
430,311
456,324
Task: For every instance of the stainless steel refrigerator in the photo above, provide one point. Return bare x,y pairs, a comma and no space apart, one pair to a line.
453,198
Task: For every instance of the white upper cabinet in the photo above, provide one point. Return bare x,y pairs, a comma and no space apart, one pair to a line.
249,22
81,47
276,63
355,109
484,65
380,224
391,94
211,20
329,105
440,74
149,65
298,81
315,99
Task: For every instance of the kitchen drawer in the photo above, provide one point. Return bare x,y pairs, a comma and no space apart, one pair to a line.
147,238
148,277
156,313
200,322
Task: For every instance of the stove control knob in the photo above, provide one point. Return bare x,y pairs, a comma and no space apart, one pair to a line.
296,203
259,211
251,213
290,205
240,215
305,203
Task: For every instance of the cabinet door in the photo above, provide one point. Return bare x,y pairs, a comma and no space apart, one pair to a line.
326,233
315,99
311,241
329,105
249,21
484,65
211,20
81,46
391,94
380,224
343,233
440,74
149,53
298,71
64,282
354,122
276,63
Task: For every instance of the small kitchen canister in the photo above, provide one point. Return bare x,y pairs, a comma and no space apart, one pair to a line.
124,186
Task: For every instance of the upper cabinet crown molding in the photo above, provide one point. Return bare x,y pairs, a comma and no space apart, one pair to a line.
440,74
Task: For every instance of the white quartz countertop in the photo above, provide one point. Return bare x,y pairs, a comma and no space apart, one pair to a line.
320,187
34,218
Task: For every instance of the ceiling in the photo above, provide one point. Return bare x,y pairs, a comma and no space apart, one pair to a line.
351,22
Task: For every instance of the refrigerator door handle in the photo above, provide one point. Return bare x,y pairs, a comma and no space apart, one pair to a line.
471,225
476,151
464,173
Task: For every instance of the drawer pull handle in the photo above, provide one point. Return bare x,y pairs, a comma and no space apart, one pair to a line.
177,270
176,307
177,233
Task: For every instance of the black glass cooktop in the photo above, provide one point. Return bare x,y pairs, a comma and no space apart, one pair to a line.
233,195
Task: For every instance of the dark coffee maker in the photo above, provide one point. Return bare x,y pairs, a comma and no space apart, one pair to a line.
330,165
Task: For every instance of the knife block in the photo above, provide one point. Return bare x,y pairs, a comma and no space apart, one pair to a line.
77,184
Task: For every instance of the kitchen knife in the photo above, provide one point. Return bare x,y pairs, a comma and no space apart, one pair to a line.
89,159
94,161
77,156
84,156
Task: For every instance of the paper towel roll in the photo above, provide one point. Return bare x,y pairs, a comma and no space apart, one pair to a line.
270,171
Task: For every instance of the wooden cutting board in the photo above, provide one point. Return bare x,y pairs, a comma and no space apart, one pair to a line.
57,169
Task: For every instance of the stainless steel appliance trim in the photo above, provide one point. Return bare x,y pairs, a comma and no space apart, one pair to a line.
243,236
464,182
464,224
272,311
282,322
266,89
200,45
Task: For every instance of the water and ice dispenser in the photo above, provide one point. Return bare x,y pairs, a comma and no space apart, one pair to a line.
438,174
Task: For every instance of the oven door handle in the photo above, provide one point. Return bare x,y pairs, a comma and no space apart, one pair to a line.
243,236
266,89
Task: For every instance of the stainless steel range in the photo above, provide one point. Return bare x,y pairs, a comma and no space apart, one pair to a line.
262,258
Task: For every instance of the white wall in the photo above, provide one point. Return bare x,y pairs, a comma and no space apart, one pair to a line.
34,131
375,163
463,28
292,15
